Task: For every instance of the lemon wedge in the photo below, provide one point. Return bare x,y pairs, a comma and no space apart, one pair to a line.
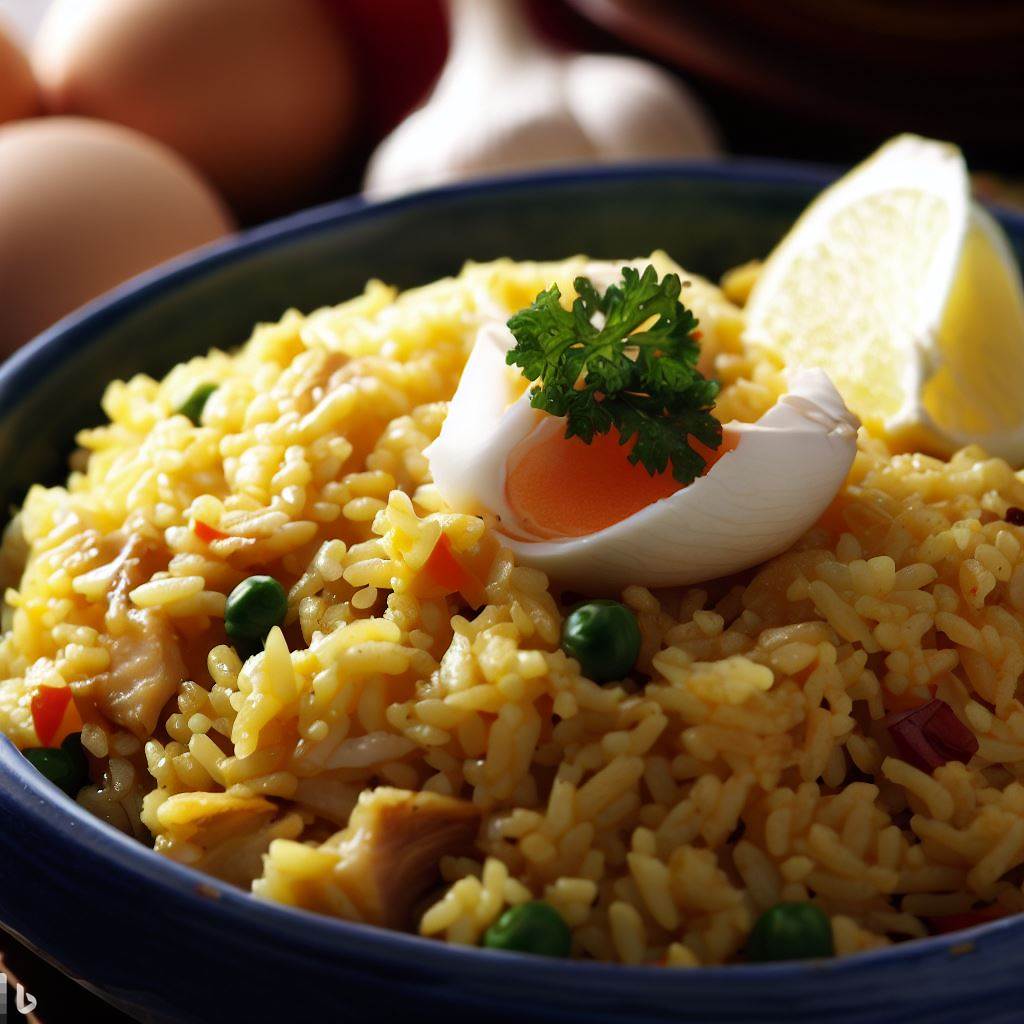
908,295
975,393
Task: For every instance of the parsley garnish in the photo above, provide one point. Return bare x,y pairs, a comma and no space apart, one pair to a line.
644,384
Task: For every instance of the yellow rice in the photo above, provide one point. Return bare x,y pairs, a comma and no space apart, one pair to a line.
658,819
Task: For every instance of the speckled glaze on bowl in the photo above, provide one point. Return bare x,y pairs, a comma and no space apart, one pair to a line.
168,944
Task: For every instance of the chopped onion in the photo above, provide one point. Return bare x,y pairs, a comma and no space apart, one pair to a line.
373,748
931,735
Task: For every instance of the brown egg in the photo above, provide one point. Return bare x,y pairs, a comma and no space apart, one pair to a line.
256,93
19,96
83,206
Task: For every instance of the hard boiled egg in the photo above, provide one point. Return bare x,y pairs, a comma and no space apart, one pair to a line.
592,521
19,96
258,94
83,206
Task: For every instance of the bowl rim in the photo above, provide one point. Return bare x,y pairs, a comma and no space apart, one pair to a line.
52,811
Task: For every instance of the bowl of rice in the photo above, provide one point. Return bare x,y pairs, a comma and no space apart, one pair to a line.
289,727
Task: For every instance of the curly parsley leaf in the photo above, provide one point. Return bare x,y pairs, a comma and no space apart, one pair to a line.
594,365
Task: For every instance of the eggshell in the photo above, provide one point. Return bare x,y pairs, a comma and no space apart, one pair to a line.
258,94
19,96
485,419
83,206
754,503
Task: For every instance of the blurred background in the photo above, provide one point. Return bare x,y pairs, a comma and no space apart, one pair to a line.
132,131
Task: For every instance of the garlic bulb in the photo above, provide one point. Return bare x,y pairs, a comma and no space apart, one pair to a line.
507,102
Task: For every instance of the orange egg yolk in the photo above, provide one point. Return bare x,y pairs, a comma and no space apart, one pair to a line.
559,487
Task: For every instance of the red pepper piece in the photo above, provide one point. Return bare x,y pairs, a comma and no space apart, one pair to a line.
446,571
49,704
207,533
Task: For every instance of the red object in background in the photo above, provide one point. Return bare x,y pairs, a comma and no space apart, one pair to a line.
399,46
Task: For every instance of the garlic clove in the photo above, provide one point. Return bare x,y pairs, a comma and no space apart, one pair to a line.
632,110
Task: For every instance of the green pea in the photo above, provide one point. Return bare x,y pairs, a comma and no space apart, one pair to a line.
254,608
65,766
603,636
791,931
193,406
72,747
530,928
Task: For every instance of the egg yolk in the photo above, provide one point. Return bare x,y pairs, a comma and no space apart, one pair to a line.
559,487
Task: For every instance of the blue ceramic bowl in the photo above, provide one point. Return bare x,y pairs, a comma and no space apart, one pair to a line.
168,944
